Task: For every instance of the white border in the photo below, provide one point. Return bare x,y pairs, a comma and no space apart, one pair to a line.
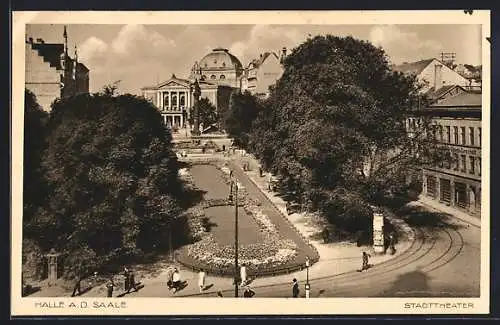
227,306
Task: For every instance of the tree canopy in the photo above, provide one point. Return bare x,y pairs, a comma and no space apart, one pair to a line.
334,127
243,110
207,112
112,178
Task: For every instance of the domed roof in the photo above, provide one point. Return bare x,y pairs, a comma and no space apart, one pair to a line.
220,59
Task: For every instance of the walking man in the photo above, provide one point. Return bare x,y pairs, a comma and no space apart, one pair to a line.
201,280
295,288
126,274
110,286
365,261
131,282
77,288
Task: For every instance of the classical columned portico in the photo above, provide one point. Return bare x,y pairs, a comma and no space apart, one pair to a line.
171,104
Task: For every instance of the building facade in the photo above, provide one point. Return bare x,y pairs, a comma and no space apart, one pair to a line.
51,73
457,126
174,98
262,73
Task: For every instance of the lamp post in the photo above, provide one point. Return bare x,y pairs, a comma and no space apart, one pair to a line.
234,193
308,287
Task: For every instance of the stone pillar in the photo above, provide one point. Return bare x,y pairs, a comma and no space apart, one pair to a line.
52,265
438,188
169,100
452,193
178,100
424,184
467,197
196,117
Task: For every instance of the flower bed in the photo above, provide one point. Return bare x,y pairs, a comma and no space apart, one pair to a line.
270,252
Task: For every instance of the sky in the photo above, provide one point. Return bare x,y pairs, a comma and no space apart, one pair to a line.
143,55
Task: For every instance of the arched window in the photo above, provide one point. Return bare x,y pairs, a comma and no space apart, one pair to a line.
222,77
182,101
213,77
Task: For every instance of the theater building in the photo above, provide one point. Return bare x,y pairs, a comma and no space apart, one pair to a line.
218,73
457,125
174,98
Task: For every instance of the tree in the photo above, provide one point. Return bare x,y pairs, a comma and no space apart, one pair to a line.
334,127
35,120
207,112
112,175
243,110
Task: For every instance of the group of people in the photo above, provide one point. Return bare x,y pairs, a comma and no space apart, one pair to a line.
174,279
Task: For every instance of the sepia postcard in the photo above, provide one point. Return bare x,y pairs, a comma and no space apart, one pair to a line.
318,162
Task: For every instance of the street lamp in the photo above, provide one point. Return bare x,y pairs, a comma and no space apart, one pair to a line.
308,287
234,192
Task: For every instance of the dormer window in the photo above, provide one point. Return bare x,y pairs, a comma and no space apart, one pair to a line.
223,64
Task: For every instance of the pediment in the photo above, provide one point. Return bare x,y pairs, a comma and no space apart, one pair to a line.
172,84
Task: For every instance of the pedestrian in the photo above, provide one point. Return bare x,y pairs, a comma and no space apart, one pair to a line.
326,235
131,282
201,280
77,287
176,280
170,272
219,294
243,274
110,286
231,174
248,293
260,171
365,261
126,274
295,288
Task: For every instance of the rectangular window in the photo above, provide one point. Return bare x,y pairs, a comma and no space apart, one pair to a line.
456,163
441,136
463,163
472,161
479,166
448,134
462,135
479,136
471,136
455,134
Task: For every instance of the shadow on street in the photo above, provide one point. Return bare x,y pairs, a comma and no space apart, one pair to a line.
411,284
416,216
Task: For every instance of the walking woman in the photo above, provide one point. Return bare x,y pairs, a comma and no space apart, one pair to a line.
201,280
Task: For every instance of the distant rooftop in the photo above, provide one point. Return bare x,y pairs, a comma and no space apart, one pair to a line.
465,99
413,67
